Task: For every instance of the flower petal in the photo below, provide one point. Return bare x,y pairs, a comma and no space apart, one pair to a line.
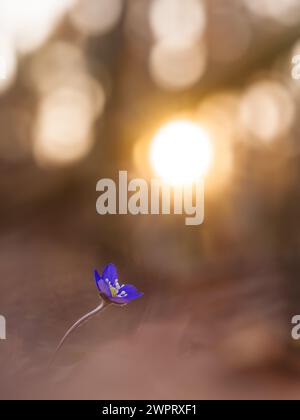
109,286
97,277
126,294
102,286
110,273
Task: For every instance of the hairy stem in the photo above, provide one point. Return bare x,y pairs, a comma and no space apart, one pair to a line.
78,324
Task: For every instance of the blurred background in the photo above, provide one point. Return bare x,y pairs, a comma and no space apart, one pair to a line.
86,88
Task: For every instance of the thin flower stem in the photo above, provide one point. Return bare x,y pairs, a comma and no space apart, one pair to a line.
78,324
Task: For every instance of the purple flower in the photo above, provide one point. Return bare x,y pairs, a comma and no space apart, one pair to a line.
109,286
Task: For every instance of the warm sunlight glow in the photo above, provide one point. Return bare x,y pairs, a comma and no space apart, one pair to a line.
181,152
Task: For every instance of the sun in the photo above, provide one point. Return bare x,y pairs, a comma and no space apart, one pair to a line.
181,152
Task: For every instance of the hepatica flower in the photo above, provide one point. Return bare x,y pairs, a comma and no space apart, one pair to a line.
111,292
110,288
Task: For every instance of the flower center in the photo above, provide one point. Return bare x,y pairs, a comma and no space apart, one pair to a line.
113,291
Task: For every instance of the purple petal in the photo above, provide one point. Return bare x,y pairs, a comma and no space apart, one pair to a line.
110,273
131,294
102,286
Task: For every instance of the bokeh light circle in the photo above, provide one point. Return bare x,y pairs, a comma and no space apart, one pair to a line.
181,152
